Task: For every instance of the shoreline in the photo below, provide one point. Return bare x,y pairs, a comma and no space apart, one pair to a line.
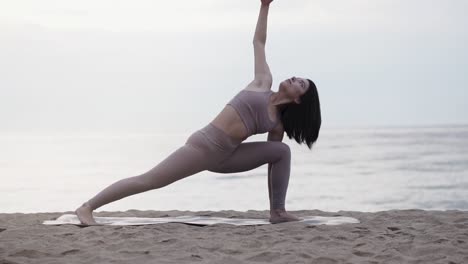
394,236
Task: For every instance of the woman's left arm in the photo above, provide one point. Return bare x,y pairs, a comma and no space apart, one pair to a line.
262,70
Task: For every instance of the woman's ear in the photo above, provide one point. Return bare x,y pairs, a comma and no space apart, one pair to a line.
297,101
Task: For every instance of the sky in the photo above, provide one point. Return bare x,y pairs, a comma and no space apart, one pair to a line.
171,66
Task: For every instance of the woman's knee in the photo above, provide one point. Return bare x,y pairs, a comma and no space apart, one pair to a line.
283,148
155,181
180,164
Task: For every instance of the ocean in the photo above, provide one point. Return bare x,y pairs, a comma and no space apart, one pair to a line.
362,169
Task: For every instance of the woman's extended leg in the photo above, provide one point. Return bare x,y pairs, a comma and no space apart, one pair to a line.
251,155
187,160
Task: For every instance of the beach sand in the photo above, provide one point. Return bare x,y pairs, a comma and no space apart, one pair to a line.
397,236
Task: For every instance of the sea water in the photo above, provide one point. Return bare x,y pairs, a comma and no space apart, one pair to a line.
365,169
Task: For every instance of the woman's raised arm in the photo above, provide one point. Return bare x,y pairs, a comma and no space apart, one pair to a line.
262,71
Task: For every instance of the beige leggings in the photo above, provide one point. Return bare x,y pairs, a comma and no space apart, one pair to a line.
209,148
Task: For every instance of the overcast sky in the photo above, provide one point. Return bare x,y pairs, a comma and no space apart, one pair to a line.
171,66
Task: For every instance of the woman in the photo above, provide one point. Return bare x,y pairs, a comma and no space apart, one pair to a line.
218,147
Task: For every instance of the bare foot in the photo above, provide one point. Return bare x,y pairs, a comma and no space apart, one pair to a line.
85,214
280,216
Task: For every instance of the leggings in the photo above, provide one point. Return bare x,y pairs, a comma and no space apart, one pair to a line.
209,148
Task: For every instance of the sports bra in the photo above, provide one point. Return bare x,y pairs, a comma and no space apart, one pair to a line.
252,108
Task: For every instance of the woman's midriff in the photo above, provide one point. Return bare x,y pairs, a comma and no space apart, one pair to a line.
230,122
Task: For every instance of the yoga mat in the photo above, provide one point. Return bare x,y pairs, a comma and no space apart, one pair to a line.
197,220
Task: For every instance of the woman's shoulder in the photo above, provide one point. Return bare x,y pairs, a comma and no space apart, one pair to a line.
258,85
257,90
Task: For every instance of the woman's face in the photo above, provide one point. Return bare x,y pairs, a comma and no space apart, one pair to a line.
294,87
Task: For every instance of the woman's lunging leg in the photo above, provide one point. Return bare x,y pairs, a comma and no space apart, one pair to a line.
248,156
251,155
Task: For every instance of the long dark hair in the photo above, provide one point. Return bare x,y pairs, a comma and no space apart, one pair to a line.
302,121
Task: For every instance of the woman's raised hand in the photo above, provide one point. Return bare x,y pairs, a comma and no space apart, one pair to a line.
266,2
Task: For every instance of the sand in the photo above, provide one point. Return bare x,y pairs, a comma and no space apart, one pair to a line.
397,236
